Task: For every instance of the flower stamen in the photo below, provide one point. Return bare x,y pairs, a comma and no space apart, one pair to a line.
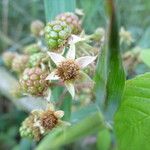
68,70
48,120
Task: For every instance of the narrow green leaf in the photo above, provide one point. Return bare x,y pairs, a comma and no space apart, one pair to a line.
101,78
66,107
70,5
132,120
103,140
55,7
87,126
56,93
116,76
94,13
110,75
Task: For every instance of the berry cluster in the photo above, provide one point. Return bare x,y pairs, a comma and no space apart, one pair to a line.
41,62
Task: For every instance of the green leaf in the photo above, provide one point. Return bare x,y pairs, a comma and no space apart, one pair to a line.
84,112
94,12
110,77
56,93
116,75
101,78
64,101
87,126
66,107
55,7
145,56
103,140
132,120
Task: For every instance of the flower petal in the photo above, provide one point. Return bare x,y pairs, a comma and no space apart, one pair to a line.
52,76
75,39
59,113
71,52
84,61
70,88
57,58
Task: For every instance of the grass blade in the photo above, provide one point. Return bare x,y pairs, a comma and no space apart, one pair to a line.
110,77
55,7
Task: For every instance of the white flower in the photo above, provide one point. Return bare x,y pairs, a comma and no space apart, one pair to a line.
68,69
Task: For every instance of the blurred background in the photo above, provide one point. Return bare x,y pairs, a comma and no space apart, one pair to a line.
15,19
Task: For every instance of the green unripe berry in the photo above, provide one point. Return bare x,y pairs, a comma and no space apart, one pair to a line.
31,49
57,34
37,59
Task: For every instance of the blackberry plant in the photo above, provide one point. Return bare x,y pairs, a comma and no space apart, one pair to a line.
73,84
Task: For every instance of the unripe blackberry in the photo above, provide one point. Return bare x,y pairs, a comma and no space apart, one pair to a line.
37,59
26,132
29,130
31,49
8,58
72,20
57,34
36,27
33,81
19,63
